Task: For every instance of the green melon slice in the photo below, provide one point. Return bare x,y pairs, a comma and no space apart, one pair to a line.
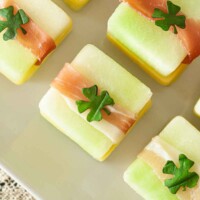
100,69
48,16
189,8
160,50
183,136
144,181
16,61
76,4
54,108
197,108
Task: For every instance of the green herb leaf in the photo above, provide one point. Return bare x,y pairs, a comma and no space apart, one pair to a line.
13,22
96,103
171,18
182,176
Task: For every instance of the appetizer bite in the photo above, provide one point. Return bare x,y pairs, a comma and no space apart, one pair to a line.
76,4
29,32
95,102
197,108
169,166
161,36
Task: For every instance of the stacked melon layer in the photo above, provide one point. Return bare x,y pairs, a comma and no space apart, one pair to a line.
126,90
179,136
17,63
76,4
197,108
158,52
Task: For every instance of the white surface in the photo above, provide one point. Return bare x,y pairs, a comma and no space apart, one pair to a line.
51,165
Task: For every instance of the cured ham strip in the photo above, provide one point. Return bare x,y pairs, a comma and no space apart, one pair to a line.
40,43
119,118
70,83
146,7
190,36
157,153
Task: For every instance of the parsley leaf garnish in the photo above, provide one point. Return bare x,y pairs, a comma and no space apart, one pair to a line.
171,18
13,22
96,103
182,176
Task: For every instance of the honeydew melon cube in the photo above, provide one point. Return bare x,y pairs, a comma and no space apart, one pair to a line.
76,4
141,177
54,108
157,50
197,108
124,88
189,8
17,63
48,16
183,136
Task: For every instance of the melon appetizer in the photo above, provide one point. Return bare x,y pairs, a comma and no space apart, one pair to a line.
76,4
95,102
169,166
29,32
197,108
161,36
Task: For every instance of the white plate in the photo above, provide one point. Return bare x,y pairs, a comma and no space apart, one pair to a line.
50,165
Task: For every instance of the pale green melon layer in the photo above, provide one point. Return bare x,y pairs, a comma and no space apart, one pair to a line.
183,136
76,4
144,181
47,15
197,108
124,88
189,8
15,60
54,108
162,50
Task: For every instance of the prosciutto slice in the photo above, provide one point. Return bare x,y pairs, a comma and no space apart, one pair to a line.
70,83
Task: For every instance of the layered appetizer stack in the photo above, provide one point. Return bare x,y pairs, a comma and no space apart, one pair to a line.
161,36
95,102
169,166
29,32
